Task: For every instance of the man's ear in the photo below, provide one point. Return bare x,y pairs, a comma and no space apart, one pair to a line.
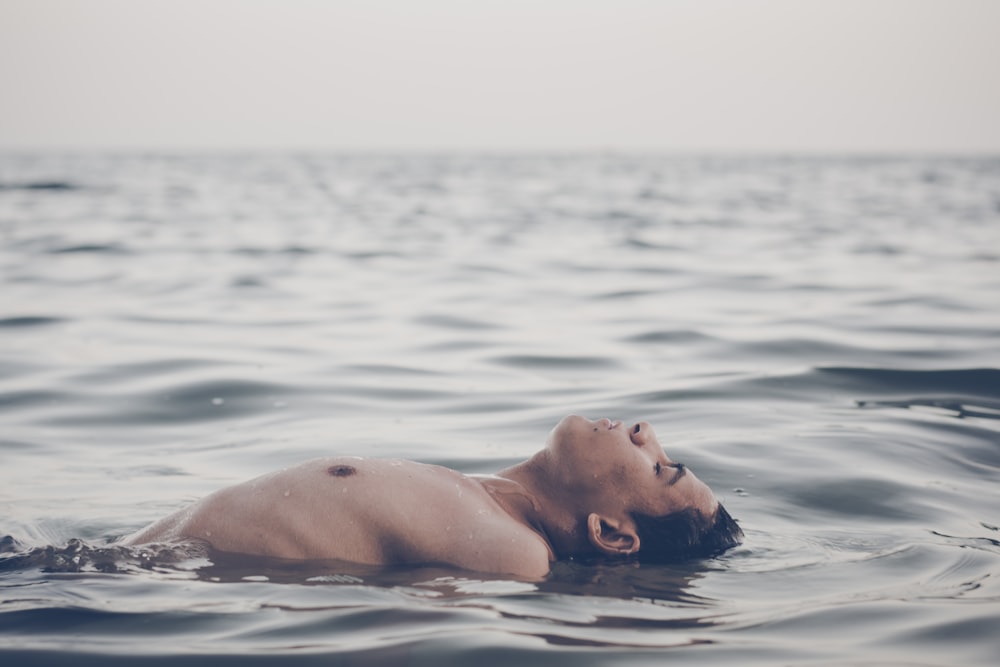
611,536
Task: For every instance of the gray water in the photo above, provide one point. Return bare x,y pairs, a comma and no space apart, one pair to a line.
818,338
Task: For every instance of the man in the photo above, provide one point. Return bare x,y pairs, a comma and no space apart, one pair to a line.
598,489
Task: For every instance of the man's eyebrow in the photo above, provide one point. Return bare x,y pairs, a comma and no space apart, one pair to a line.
680,468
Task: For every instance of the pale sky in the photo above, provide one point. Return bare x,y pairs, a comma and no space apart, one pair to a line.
509,75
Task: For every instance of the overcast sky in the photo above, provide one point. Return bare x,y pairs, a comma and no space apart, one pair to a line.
651,75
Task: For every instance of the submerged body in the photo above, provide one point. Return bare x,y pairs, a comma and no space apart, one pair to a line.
598,488
370,511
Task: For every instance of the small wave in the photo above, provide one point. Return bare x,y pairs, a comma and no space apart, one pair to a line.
41,186
983,382
944,407
29,321
253,251
669,336
8,445
389,393
78,556
978,631
365,255
946,303
973,542
974,386
112,373
452,322
218,399
174,403
554,362
643,244
97,248
389,370
28,398
619,295
858,498
248,282
795,347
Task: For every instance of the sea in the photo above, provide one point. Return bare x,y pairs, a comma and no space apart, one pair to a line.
816,336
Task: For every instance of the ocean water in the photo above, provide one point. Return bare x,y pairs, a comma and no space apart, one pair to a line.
817,337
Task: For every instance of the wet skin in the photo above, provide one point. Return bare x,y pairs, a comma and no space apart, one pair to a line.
620,466
577,493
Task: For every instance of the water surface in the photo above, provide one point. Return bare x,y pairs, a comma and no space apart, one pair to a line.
818,338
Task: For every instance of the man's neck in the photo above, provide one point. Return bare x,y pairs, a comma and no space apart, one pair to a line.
525,492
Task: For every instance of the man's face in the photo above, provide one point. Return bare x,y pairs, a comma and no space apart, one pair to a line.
607,466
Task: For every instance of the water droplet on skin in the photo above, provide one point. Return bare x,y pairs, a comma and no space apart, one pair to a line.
287,493
208,533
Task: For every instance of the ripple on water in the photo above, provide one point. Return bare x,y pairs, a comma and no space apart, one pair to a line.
390,370
556,362
859,499
457,323
984,382
863,386
670,336
171,403
154,371
26,321
42,186
91,248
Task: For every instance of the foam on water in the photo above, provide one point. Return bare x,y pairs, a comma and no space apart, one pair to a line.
817,337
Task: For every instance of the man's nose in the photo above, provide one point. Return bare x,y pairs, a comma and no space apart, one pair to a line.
643,434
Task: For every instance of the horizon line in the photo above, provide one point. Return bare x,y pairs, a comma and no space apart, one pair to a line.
508,151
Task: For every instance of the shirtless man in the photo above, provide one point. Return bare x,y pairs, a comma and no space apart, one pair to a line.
598,489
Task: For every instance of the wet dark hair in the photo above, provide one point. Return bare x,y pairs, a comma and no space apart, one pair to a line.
684,535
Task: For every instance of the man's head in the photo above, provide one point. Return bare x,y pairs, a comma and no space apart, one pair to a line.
632,499
685,535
